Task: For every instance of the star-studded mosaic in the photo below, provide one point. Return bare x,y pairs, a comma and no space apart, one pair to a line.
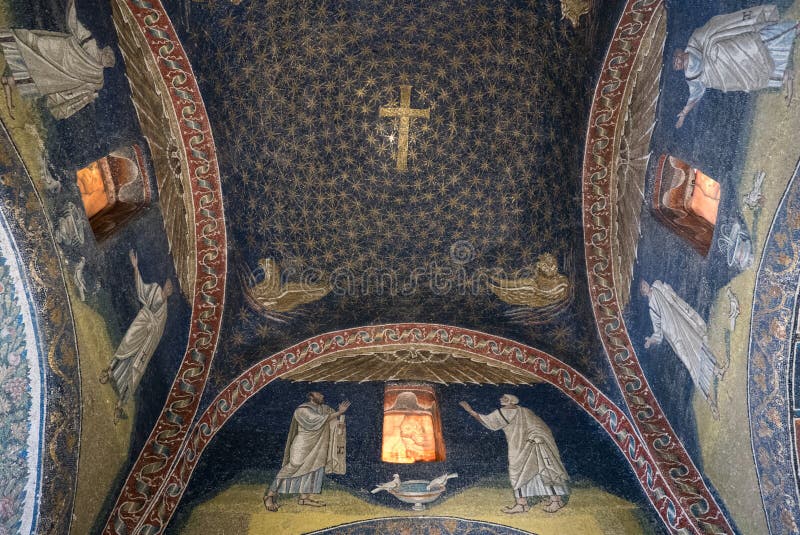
499,93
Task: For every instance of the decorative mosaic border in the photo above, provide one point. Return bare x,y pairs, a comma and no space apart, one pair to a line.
173,424
30,229
683,477
541,365
769,364
21,394
696,509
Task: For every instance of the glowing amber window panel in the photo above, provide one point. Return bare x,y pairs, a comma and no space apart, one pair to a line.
686,201
95,193
113,189
412,426
704,199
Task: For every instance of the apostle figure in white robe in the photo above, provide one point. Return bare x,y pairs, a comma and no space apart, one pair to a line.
743,51
534,464
310,447
65,68
140,341
686,333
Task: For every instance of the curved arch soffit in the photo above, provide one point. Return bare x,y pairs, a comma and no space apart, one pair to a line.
22,340
198,159
43,341
541,367
772,361
703,513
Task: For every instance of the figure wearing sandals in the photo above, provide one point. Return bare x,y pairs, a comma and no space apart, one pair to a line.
534,464
747,50
140,341
310,447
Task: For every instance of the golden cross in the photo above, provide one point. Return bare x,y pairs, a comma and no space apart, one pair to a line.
405,112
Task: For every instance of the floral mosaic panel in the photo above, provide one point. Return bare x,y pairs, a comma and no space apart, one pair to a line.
20,398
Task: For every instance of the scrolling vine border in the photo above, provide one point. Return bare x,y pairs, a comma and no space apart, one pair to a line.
671,458
695,508
32,232
169,433
540,364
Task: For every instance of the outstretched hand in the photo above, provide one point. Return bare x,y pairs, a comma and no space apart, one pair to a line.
343,406
134,258
681,119
466,406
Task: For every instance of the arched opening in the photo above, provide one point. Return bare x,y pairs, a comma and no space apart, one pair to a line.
493,352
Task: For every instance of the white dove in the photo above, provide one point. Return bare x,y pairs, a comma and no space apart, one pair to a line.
441,481
752,199
391,485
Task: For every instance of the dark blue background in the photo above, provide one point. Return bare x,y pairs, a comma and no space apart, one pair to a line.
250,447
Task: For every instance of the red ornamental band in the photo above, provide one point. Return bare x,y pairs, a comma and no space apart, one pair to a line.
661,440
158,478
200,156
436,337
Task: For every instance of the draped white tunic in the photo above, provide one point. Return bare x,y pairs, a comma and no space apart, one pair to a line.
742,51
307,451
686,332
66,68
534,464
140,341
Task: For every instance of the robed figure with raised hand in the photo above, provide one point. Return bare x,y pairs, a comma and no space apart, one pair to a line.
141,339
686,333
534,464
315,446
747,50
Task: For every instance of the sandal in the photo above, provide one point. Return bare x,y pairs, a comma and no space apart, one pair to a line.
516,509
270,504
553,506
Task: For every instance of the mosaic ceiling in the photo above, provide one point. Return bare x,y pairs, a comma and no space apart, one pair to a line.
418,165
392,218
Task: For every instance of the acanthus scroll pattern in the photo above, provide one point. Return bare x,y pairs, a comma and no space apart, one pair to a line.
771,363
683,477
445,338
199,155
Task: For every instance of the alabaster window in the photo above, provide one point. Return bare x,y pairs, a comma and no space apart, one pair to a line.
113,189
412,427
686,201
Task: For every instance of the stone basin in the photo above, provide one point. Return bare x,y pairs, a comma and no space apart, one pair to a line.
415,492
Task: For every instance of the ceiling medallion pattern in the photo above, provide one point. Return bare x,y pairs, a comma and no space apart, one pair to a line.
211,263
538,364
703,514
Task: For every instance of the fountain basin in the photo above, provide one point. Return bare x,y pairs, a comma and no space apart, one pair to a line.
415,492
